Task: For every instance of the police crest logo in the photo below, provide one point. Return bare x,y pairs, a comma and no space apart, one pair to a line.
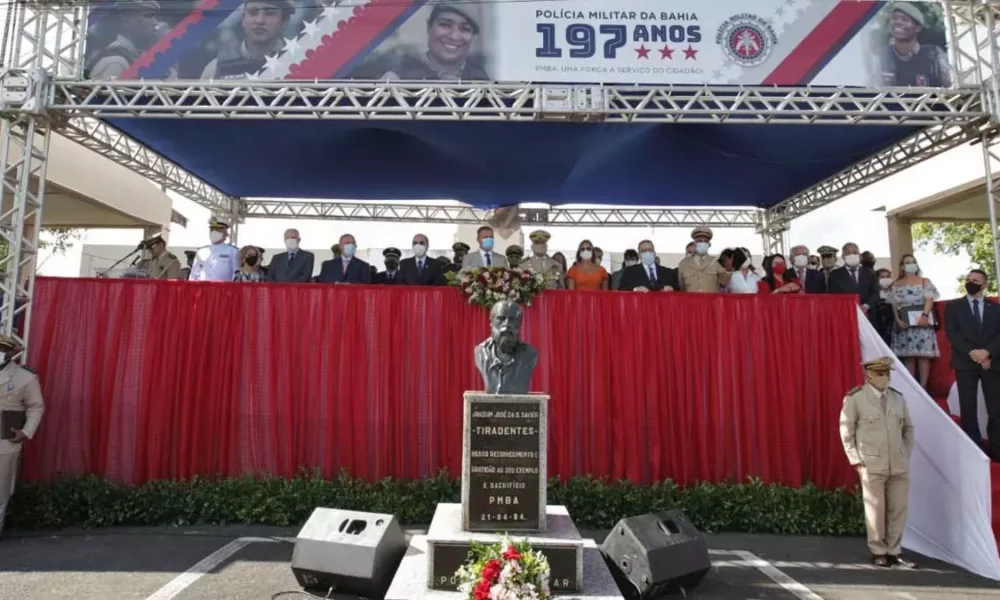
746,39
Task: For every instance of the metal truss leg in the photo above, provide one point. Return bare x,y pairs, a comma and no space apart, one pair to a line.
991,162
24,147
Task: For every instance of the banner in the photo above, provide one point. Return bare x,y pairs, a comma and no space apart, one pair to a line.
752,42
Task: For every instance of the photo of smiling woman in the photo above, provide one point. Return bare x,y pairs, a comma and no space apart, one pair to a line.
447,46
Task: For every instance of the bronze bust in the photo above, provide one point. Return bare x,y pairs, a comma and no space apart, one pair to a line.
505,362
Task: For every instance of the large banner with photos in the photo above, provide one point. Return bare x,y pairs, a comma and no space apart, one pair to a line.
749,42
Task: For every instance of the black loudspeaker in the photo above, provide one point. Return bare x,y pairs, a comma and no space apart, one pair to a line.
652,555
352,552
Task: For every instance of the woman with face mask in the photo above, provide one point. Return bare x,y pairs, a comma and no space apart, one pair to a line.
586,273
914,339
250,267
778,279
744,280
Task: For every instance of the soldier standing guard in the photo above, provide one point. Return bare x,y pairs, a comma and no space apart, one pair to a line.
21,409
460,249
515,254
540,262
162,264
218,261
877,434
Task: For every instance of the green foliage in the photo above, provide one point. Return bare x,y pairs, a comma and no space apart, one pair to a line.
954,238
595,504
59,239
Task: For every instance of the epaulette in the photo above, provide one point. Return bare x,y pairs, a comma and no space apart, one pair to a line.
171,255
29,369
895,390
855,390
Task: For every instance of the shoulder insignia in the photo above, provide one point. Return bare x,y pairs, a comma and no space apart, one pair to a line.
855,390
171,256
29,369
895,390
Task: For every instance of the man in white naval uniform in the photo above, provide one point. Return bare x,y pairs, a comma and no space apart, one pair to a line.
21,410
218,261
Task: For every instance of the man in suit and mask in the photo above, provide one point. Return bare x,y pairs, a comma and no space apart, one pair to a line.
811,281
421,269
647,276
391,275
21,409
852,278
347,268
484,256
294,265
877,434
973,329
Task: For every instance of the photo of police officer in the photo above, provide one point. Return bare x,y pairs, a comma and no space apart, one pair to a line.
118,35
912,48
442,42
261,34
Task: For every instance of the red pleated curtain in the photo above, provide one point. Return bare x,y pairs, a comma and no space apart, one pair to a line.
159,379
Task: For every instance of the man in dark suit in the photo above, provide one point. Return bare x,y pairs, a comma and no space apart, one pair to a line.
347,268
973,329
810,280
647,276
391,275
293,266
421,269
852,278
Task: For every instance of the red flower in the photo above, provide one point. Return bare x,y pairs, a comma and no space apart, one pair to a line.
491,572
482,591
511,554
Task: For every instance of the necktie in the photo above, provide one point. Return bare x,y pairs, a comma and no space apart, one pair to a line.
345,263
291,257
489,260
975,310
392,275
420,264
652,275
881,401
854,275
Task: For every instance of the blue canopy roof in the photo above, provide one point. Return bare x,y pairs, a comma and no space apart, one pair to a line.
490,164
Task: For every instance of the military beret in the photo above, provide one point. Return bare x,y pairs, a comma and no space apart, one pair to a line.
215,223
393,252
883,364
826,250
909,9
701,231
515,250
460,247
540,237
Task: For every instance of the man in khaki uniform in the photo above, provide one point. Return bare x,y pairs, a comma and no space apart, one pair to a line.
877,434
21,409
162,264
541,262
514,254
701,272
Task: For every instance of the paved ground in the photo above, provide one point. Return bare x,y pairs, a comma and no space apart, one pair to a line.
163,564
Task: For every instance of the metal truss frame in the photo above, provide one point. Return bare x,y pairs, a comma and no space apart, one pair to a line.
553,216
49,45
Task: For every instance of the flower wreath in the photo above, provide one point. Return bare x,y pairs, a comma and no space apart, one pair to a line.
485,286
504,571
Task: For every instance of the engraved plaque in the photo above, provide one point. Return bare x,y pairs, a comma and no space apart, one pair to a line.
505,475
447,558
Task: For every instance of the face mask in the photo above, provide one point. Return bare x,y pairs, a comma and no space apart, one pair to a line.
648,258
813,266
631,263
885,282
972,288
539,249
486,244
216,236
852,260
419,249
689,252
800,261
879,382
910,268
702,248
391,264
868,264
829,263
349,250
746,264
252,260
778,268
586,255
291,244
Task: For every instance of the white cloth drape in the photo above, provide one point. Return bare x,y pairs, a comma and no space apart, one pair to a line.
955,409
950,516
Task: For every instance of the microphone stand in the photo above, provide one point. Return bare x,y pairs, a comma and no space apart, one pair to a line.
104,275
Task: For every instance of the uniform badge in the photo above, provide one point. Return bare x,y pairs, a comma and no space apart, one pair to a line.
10,386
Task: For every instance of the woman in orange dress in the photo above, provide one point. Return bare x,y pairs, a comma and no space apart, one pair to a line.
586,273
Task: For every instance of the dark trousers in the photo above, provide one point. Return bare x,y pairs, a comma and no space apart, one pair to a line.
968,401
